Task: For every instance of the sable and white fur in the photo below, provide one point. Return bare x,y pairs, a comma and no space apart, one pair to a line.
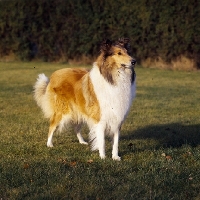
100,97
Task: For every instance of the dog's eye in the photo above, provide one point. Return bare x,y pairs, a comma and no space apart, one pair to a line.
119,53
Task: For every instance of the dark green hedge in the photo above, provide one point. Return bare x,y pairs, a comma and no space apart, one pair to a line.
49,29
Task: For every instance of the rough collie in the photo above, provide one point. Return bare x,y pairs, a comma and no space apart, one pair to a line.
100,97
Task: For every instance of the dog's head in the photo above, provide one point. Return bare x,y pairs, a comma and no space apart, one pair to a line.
115,56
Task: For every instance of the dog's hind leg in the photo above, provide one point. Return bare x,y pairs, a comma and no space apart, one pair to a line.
54,122
77,129
50,136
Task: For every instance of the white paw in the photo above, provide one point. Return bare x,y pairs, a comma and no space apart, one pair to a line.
83,142
102,157
49,144
117,158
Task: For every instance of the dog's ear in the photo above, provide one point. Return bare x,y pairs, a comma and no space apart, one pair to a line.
125,43
106,46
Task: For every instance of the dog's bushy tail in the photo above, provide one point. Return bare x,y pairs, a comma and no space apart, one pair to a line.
40,94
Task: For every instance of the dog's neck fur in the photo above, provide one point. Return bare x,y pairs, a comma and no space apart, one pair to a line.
115,99
106,69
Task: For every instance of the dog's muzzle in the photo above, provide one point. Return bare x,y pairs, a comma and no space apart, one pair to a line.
133,62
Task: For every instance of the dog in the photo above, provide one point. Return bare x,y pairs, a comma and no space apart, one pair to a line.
100,97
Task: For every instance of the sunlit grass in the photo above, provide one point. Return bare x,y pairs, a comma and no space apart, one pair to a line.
159,145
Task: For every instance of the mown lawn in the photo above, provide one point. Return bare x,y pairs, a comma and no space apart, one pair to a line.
159,144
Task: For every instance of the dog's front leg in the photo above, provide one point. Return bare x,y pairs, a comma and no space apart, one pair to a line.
115,146
101,141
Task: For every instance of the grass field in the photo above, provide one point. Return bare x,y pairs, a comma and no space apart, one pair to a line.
159,144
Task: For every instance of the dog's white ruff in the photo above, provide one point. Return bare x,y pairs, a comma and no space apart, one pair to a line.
115,102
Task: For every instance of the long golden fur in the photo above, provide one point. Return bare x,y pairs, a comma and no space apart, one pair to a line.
79,96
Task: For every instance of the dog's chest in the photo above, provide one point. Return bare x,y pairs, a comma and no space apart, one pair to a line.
114,100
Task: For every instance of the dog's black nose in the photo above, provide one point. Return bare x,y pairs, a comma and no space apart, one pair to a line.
133,62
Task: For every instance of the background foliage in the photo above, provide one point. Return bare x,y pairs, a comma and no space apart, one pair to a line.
53,29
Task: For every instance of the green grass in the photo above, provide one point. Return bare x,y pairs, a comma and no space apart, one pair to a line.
159,145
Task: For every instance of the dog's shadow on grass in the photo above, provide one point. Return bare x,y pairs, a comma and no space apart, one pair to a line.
164,136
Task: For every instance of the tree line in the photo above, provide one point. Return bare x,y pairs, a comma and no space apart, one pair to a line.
51,29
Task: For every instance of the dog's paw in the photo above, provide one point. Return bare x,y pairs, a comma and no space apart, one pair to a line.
117,158
83,142
102,157
49,144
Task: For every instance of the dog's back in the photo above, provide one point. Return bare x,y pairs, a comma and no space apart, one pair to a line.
50,94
